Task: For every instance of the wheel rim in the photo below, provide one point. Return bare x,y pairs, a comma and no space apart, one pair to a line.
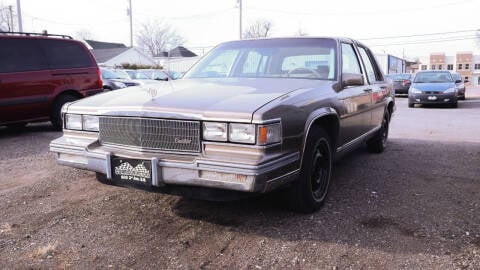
320,174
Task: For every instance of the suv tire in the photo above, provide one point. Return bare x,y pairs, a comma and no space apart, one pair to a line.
309,192
56,113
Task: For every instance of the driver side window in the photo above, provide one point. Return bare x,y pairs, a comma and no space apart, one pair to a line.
349,60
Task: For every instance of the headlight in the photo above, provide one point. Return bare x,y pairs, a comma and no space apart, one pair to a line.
73,121
450,90
414,90
242,133
213,131
90,122
269,134
119,84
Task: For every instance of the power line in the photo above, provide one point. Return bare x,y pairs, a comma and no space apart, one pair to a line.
421,35
426,41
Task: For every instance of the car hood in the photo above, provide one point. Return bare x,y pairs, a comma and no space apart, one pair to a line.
433,86
233,99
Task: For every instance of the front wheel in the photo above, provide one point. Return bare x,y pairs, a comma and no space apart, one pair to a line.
379,142
310,191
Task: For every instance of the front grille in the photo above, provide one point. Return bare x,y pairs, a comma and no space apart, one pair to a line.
432,92
151,134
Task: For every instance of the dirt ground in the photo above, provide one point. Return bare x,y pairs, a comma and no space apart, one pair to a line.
416,206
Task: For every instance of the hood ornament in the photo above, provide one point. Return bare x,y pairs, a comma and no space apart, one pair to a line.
152,91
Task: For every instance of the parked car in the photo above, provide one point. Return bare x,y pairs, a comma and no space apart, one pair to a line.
401,82
460,85
39,73
156,74
433,87
113,80
251,117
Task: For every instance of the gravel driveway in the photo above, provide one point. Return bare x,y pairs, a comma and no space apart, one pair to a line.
415,206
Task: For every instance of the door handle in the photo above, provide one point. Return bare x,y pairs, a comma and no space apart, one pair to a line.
368,90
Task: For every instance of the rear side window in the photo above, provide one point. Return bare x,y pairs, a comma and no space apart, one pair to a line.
17,55
65,54
368,65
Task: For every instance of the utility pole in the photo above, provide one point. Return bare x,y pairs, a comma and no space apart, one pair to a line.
11,18
19,14
129,11
240,8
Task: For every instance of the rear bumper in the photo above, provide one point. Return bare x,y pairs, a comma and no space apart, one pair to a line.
86,153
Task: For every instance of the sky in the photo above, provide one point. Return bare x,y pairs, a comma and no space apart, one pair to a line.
450,25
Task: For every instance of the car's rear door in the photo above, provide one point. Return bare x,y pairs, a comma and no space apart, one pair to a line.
378,85
24,80
356,100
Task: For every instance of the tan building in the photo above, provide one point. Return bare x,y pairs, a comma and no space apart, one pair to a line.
465,63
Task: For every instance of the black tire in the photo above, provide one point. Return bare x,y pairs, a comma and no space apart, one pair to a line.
454,104
310,190
461,98
410,105
379,142
56,114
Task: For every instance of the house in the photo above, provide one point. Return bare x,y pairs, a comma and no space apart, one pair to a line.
115,54
179,59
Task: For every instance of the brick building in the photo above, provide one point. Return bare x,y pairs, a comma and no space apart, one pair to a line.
465,63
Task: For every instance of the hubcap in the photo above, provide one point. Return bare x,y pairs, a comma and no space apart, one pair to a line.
320,171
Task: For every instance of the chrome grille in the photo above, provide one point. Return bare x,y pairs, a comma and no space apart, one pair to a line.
151,134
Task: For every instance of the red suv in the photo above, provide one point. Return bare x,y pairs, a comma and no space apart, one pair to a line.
39,73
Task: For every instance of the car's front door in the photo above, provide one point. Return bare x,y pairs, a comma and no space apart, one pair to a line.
355,100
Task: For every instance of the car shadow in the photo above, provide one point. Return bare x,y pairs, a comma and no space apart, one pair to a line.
6,132
409,199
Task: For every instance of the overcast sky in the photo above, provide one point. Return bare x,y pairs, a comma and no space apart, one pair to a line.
209,22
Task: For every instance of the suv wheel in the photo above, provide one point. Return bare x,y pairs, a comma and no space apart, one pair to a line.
309,192
379,142
56,114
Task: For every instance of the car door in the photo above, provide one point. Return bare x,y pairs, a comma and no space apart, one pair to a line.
355,100
378,85
24,80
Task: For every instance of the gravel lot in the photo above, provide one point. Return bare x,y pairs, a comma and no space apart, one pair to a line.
415,206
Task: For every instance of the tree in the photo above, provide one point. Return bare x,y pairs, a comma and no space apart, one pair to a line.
7,18
260,28
156,37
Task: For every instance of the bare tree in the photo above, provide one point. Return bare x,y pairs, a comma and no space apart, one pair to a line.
259,29
7,18
84,34
156,37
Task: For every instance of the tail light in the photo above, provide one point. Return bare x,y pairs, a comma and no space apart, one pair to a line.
406,82
100,82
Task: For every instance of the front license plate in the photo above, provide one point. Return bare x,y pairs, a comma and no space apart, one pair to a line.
432,98
132,170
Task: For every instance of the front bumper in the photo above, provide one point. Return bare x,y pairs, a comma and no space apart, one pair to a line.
432,98
225,172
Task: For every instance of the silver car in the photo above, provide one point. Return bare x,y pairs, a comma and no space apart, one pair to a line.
252,116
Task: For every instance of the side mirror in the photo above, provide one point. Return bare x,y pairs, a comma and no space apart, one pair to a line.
459,81
352,79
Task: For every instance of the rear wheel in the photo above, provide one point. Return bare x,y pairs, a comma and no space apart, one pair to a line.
410,105
56,114
310,191
379,142
454,104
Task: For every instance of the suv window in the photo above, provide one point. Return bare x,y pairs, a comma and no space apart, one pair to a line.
350,60
65,54
18,55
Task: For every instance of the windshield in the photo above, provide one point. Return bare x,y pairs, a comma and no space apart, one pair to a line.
135,75
398,77
110,74
433,77
122,74
270,58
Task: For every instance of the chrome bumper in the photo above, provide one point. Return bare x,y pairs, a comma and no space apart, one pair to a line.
86,153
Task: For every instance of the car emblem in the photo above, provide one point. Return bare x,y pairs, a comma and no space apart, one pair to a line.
152,91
